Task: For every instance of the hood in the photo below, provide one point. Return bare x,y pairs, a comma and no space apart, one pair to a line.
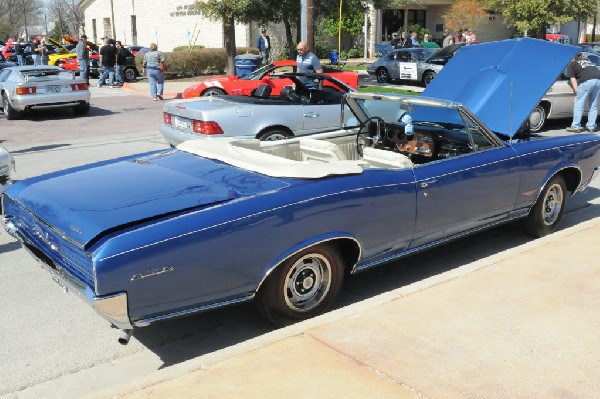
85,202
190,107
444,53
501,82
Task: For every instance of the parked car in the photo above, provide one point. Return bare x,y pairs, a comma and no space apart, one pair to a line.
57,52
130,71
27,88
269,74
594,45
7,166
414,64
4,63
135,49
586,48
557,103
27,58
217,222
296,110
400,64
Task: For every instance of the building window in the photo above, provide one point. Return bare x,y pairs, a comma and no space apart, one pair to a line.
94,31
391,21
107,27
416,17
133,30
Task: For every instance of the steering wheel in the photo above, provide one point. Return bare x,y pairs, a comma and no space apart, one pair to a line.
370,134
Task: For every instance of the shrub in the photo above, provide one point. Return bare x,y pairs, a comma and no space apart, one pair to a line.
187,48
201,61
355,52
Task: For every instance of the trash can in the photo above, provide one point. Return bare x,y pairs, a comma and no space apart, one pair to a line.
246,63
333,57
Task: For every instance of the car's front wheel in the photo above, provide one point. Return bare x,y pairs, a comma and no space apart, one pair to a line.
213,91
537,118
545,215
428,77
9,112
383,76
304,286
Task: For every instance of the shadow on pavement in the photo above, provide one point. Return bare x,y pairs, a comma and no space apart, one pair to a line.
40,148
176,341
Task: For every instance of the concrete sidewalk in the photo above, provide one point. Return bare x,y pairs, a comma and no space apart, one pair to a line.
521,323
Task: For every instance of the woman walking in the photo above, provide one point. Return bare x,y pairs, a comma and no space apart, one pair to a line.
153,60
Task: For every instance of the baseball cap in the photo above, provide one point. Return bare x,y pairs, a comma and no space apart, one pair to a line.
83,36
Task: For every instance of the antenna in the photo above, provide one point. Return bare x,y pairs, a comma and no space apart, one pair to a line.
510,105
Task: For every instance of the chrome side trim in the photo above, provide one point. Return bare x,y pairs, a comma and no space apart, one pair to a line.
186,312
114,309
432,244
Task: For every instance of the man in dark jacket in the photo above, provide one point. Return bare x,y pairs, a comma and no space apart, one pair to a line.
19,51
263,43
122,54
108,59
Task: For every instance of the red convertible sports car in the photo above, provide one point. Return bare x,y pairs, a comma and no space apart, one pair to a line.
269,74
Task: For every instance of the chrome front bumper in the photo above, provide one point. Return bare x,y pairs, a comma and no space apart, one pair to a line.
112,307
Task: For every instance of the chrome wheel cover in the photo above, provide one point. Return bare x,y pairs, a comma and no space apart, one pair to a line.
212,92
536,119
274,137
552,204
382,75
307,282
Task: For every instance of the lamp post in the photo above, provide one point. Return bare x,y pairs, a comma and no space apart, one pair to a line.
25,20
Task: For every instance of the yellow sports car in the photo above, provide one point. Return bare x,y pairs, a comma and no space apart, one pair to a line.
60,52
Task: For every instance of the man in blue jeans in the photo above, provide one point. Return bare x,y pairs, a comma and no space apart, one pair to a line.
108,59
83,58
585,80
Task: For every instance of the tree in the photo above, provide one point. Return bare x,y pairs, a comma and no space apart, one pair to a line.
228,11
534,16
465,14
68,14
16,13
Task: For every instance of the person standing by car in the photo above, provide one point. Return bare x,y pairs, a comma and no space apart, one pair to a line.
448,38
83,58
35,54
19,51
585,81
122,54
263,43
43,51
108,59
395,41
152,68
405,40
415,39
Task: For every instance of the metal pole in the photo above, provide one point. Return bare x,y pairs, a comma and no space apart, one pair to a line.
303,14
340,30
366,28
25,18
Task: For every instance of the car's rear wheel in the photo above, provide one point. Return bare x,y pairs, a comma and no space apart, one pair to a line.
213,91
129,74
383,75
428,77
81,109
303,286
274,134
545,215
537,118
9,112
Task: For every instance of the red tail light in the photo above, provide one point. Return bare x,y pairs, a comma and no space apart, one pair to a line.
79,86
166,118
208,128
25,90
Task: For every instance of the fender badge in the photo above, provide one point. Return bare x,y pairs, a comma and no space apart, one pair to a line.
153,272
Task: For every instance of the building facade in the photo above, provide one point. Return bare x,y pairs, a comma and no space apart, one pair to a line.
168,23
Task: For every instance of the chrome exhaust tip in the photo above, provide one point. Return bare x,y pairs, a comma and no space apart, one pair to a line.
125,336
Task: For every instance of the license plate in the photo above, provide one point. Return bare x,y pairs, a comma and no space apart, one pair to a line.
53,89
183,124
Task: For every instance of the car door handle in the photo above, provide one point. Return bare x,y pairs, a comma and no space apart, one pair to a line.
426,183
311,114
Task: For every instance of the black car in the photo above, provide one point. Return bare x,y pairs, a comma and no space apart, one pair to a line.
26,54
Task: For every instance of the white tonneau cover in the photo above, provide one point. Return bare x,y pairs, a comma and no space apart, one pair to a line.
237,153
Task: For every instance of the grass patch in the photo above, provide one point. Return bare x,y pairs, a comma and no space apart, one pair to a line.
380,89
355,67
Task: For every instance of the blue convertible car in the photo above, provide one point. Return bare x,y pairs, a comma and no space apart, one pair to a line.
213,223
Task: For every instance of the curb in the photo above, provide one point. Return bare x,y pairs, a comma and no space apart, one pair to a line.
210,359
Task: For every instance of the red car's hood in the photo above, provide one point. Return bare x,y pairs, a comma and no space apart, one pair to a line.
216,81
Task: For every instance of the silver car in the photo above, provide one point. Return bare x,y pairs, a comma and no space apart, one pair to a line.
25,88
558,101
7,165
419,65
299,109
